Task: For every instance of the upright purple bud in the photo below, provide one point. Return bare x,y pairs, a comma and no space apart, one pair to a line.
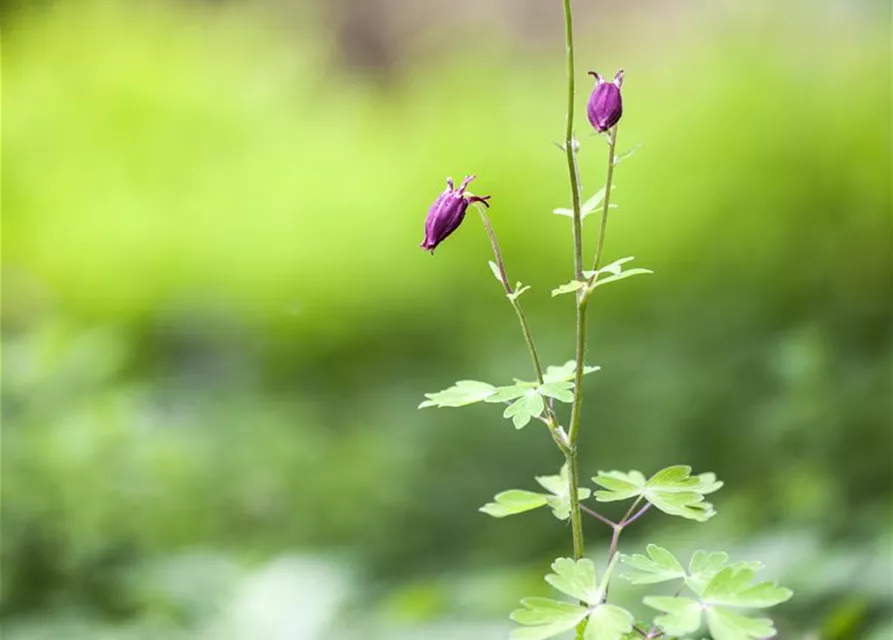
605,105
447,213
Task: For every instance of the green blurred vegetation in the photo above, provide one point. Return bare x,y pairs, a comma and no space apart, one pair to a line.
217,323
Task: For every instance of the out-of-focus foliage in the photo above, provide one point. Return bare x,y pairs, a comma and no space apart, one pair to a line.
217,323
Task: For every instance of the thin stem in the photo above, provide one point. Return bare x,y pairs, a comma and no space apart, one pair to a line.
570,145
522,318
570,150
631,509
615,538
551,420
606,203
576,516
598,516
628,521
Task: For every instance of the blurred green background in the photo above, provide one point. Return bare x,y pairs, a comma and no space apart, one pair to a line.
217,323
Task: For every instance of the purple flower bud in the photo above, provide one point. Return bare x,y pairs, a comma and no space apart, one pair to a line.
447,213
605,106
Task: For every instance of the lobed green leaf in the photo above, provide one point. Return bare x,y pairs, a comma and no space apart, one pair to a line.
545,618
462,393
525,408
673,490
661,566
568,287
682,615
512,502
608,622
728,625
576,578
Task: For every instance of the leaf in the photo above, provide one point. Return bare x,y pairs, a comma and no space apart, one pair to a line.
707,563
561,391
576,578
626,154
511,392
589,206
519,291
495,269
616,271
559,487
728,625
608,622
569,287
702,567
615,267
545,611
672,490
525,408
728,586
513,501
545,618
661,566
620,276
460,394
619,485
565,372
731,586
683,615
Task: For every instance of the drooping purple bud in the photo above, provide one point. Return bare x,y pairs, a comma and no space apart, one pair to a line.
447,212
605,105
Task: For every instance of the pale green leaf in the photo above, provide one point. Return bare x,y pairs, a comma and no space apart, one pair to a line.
568,287
661,566
703,562
555,373
728,625
592,203
588,207
672,490
618,485
576,578
557,485
732,586
561,391
608,622
538,611
545,618
560,488
519,291
510,392
682,615
460,394
614,268
525,408
626,154
688,504
495,269
620,276
513,501
728,582
703,567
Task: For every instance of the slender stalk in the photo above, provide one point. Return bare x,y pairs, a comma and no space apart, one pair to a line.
598,516
639,513
570,150
615,538
509,291
551,420
606,203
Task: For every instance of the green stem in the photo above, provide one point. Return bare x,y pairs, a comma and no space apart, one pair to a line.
551,420
612,145
570,150
509,291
